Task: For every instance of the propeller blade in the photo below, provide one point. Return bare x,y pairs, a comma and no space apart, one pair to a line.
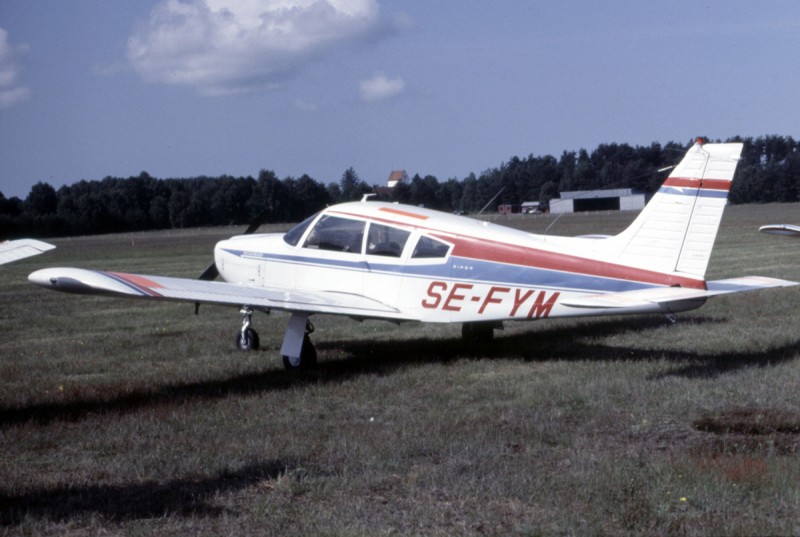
255,224
210,273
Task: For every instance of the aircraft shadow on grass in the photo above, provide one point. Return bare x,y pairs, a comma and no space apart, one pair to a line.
183,497
193,497
563,344
382,357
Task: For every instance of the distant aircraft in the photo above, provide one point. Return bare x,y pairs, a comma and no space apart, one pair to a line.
373,260
22,248
781,229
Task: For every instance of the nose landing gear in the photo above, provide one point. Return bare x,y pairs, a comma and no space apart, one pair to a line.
247,338
298,351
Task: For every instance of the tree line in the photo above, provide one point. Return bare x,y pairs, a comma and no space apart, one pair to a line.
768,172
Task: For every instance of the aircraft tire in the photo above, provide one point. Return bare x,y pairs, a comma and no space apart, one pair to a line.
308,357
477,332
249,342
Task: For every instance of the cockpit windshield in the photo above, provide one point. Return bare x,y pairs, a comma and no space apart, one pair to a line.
337,234
293,235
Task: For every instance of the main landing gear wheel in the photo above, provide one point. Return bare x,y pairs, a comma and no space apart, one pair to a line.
307,360
308,354
247,338
478,332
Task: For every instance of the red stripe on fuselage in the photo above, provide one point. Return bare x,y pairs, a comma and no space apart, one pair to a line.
512,254
403,213
708,184
484,250
390,221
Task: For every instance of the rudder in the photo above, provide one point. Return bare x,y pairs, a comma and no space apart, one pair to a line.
676,231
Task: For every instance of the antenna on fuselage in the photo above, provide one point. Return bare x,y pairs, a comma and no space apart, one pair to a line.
367,196
490,201
579,195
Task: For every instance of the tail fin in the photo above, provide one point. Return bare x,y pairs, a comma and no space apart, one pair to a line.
675,232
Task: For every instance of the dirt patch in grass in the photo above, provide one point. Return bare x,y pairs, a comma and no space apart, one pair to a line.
749,431
750,421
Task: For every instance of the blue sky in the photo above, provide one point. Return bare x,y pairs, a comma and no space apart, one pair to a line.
96,88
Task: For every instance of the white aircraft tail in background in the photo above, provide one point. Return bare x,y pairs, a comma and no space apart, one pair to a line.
21,248
373,260
788,230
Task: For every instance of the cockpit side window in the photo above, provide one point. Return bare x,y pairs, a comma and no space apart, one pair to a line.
293,235
429,248
337,234
386,240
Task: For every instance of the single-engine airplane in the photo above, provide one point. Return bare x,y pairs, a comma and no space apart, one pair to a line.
373,260
22,248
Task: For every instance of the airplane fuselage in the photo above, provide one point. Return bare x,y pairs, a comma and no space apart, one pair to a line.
472,271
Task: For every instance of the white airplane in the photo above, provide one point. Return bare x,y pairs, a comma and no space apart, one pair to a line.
788,230
22,248
373,260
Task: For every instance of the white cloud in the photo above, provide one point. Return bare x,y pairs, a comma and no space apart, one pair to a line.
12,92
380,87
227,46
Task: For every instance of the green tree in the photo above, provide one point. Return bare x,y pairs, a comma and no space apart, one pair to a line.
423,191
352,188
307,196
42,200
270,199
548,191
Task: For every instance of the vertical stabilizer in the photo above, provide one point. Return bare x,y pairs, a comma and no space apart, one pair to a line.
675,232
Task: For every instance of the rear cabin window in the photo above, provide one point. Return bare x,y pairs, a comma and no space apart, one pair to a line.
429,248
337,234
386,240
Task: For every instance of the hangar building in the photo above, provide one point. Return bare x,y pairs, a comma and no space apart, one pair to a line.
618,199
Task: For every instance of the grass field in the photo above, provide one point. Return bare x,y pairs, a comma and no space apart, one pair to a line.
139,418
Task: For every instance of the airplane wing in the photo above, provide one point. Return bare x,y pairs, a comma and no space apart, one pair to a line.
664,295
22,248
781,229
120,284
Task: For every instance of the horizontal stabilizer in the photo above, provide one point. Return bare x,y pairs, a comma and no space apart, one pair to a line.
746,283
665,295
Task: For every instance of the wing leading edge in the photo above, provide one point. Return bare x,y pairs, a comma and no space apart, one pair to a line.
120,284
